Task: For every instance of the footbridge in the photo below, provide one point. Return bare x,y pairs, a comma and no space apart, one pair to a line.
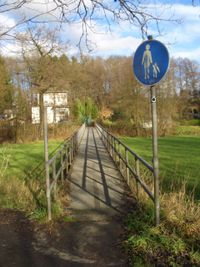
98,166
103,174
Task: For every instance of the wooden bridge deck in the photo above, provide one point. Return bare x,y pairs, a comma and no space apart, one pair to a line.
97,201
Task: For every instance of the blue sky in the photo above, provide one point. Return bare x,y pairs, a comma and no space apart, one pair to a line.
182,39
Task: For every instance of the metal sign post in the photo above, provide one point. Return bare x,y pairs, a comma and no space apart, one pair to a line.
150,64
46,156
155,154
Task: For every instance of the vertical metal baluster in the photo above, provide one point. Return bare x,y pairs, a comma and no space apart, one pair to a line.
127,168
111,146
54,179
120,162
62,169
67,159
70,149
137,166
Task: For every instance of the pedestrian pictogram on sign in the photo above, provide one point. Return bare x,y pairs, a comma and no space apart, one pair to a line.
150,62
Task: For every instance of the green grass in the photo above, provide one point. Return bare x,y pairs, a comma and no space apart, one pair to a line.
194,122
25,157
22,182
179,158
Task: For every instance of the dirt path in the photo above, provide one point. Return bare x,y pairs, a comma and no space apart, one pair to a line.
17,243
24,244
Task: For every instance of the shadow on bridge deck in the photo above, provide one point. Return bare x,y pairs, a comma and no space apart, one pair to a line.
98,195
96,185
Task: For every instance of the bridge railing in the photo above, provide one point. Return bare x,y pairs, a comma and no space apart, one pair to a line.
136,171
59,165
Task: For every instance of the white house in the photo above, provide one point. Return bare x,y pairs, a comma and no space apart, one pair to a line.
57,107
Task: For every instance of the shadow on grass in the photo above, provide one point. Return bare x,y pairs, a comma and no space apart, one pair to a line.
34,179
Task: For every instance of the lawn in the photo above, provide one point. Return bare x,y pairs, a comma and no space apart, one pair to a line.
22,178
179,159
25,157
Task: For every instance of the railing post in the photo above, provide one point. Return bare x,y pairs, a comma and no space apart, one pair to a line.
76,142
72,151
114,154
66,158
137,168
115,147
127,169
120,161
109,144
112,148
54,179
61,163
70,148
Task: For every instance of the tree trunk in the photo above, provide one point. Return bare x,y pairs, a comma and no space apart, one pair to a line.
41,105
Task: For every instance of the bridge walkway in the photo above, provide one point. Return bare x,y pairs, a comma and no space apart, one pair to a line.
97,200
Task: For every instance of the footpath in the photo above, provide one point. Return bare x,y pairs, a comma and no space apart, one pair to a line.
92,232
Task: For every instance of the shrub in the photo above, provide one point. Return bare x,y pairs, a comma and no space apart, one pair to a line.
175,242
125,128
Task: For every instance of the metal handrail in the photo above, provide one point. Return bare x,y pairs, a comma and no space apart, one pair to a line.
60,163
65,155
114,147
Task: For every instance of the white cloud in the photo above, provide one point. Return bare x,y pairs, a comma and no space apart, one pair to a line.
187,12
6,21
193,54
10,49
114,44
124,39
183,38
101,41
6,24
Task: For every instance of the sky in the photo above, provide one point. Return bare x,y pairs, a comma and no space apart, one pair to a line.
182,38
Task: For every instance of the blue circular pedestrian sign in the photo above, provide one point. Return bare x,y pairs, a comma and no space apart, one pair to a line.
150,62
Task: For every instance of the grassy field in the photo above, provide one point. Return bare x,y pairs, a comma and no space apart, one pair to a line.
22,183
175,242
25,157
179,158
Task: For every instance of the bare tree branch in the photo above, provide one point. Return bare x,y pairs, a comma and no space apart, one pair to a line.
85,12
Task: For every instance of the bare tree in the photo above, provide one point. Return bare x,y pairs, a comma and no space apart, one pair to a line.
86,13
39,45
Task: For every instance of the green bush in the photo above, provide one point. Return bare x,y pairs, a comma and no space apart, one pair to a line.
85,109
125,128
